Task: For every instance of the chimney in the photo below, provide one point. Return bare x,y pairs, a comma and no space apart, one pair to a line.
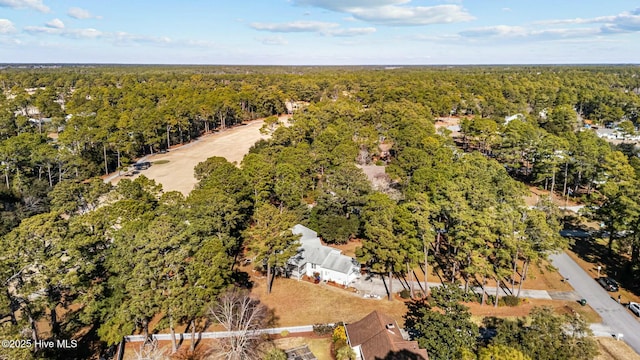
390,326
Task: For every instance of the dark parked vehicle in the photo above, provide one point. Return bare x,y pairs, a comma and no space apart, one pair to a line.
608,283
142,166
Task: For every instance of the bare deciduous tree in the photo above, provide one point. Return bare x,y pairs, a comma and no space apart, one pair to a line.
242,316
149,350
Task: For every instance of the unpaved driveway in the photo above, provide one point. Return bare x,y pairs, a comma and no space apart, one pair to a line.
177,174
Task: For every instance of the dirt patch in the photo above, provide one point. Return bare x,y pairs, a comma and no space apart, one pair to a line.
451,122
174,170
348,249
536,194
377,176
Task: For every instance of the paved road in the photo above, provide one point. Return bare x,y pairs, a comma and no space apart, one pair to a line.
375,285
614,315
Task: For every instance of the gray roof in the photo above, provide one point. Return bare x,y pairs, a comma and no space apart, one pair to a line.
308,236
338,262
312,251
311,254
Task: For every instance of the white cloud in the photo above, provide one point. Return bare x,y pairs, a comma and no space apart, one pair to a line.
273,40
6,27
351,32
78,13
55,23
69,33
519,33
344,5
408,16
319,27
25,4
562,29
394,12
497,31
118,38
295,26
628,21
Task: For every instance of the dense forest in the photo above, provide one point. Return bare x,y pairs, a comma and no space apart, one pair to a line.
87,260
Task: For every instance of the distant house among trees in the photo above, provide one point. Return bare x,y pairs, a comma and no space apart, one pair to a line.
378,337
315,258
293,106
508,119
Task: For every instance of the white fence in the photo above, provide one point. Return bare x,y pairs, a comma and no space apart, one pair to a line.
222,334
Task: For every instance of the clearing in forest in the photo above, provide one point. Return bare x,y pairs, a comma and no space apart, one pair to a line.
175,168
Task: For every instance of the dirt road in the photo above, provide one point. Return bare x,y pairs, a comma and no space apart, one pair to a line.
177,173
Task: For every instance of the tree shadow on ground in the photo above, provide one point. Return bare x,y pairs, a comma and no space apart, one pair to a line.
613,265
242,279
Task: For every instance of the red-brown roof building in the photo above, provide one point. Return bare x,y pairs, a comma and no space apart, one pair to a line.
378,337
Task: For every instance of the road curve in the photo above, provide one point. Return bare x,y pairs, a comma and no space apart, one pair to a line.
613,314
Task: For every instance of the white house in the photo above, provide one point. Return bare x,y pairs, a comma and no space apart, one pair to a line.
313,257
508,119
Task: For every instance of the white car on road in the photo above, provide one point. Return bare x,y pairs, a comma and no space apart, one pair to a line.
635,308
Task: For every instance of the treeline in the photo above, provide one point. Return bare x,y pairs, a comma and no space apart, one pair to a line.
105,117
572,164
86,259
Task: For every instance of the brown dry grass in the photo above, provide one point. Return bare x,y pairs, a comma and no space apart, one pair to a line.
536,194
174,170
560,307
611,349
539,276
302,303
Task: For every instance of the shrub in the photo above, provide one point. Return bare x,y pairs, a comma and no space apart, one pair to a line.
345,353
339,334
322,329
470,296
405,294
510,300
275,354
284,333
491,299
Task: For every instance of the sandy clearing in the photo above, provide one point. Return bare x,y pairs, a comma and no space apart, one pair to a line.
177,174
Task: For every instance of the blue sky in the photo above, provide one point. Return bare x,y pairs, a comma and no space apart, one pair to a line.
322,32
